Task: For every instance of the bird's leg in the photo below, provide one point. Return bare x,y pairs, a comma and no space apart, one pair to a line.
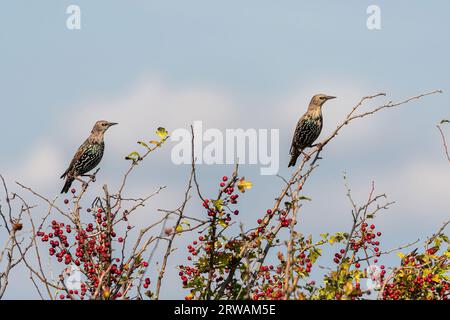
305,155
91,176
84,183
318,145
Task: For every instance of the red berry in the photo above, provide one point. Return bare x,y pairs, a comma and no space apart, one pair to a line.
225,178
120,239
66,201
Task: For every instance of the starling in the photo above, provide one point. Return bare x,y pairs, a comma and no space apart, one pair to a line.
89,154
308,127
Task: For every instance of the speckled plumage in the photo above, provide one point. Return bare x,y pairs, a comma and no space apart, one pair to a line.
88,156
308,127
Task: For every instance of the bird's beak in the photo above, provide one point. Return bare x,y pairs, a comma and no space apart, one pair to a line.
330,97
110,124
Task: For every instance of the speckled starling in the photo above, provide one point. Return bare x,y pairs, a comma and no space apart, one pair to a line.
89,154
308,127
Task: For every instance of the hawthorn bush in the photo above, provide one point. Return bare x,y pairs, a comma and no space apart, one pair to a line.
96,253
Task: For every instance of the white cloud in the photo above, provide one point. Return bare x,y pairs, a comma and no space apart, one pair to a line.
148,105
421,186
41,167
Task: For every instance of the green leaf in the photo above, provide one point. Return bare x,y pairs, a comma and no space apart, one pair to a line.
134,156
142,143
222,223
218,204
186,223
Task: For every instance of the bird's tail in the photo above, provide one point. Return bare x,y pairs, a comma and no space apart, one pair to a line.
294,157
67,185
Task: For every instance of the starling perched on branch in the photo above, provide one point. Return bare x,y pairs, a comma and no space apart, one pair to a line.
89,154
308,127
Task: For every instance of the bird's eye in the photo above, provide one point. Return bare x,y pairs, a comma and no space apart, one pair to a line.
322,98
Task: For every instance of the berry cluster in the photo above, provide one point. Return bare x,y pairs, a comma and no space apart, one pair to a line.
90,248
270,283
364,240
419,277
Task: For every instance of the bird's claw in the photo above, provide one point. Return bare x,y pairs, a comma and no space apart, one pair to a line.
307,156
318,145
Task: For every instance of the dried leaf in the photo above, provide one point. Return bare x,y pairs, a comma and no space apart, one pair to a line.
243,184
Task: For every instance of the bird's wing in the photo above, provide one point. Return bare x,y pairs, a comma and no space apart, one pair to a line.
297,132
75,159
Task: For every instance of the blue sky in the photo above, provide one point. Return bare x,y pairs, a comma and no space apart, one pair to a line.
252,64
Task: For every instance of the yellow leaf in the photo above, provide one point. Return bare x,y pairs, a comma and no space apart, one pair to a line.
400,255
348,288
345,266
106,293
223,223
243,184
190,296
161,132
179,228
